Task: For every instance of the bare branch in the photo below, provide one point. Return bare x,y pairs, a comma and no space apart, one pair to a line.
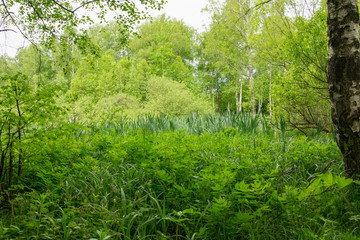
7,30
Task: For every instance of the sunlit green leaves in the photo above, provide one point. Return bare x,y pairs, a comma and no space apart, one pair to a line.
46,20
167,97
168,47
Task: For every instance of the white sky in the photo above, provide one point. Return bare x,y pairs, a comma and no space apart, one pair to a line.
187,10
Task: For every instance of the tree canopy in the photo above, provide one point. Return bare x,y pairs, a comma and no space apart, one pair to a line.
46,20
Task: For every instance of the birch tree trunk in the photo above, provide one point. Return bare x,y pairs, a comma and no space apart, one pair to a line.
240,98
237,100
218,95
251,88
344,80
213,97
260,104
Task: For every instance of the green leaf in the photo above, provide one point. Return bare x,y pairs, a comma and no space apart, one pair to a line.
342,182
242,186
188,211
327,178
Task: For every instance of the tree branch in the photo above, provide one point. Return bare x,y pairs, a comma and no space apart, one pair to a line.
3,20
7,29
257,6
14,22
83,5
41,18
62,6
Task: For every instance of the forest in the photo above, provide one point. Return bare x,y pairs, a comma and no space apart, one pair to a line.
146,128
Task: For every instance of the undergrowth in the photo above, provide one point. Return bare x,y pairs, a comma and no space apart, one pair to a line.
212,177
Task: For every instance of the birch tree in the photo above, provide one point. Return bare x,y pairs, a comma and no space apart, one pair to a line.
344,79
234,24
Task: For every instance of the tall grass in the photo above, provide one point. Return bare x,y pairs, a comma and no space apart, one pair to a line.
192,124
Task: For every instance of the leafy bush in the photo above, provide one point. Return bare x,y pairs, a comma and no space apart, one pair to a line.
167,97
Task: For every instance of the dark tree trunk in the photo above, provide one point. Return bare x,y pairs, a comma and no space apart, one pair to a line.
344,80
20,162
11,159
2,169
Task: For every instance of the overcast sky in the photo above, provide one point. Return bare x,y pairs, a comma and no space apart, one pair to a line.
187,10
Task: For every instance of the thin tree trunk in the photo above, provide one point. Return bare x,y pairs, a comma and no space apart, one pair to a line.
237,100
240,98
3,162
260,103
213,97
2,159
217,96
270,96
11,159
251,87
19,137
344,80
2,169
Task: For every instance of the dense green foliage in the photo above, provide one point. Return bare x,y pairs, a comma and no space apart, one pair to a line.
275,55
269,59
106,135
301,91
193,178
25,114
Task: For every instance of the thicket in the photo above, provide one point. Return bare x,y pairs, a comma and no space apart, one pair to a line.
211,177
